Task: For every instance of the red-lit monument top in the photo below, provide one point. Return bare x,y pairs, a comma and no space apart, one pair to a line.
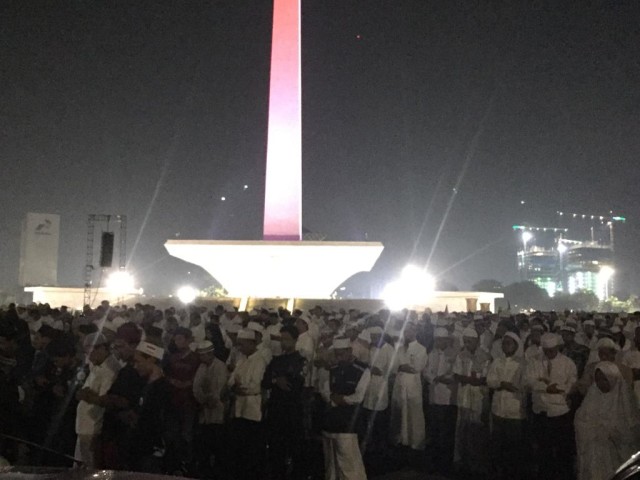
283,187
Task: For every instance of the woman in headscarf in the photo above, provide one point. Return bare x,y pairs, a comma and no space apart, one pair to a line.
607,425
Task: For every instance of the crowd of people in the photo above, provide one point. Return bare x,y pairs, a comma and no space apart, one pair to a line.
273,394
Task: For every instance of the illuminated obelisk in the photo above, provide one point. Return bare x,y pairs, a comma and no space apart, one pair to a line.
283,183
281,265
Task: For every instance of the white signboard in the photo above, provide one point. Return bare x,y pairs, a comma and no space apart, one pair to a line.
39,249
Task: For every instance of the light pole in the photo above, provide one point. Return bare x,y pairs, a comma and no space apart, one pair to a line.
562,249
526,238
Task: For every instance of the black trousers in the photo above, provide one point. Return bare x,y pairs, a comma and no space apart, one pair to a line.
555,438
376,431
286,439
209,440
508,448
442,422
248,448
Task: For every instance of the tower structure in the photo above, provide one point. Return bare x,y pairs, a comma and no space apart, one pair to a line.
281,265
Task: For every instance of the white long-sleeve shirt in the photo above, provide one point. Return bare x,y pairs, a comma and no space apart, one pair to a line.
248,375
89,416
207,387
377,394
507,404
440,364
561,371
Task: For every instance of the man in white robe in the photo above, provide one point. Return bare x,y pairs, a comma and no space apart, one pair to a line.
407,417
472,428
376,398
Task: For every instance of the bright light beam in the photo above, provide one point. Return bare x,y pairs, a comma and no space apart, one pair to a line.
412,288
187,294
469,156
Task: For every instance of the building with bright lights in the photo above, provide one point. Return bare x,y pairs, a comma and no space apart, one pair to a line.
548,257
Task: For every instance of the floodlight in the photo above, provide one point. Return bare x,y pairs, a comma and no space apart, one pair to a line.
413,287
187,294
120,282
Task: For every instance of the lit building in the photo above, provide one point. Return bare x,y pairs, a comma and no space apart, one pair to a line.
561,265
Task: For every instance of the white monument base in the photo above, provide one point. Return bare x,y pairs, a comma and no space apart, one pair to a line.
263,269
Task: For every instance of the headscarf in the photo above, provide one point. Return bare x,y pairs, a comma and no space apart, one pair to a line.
607,426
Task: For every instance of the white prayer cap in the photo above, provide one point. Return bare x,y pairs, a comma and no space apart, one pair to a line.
441,332
558,324
470,332
513,337
550,340
567,328
341,343
364,336
606,342
204,347
376,331
616,329
598,317
256,327
305,318
94,339
588,323
537,326
151,350
246,334
234,328
478,316
618,322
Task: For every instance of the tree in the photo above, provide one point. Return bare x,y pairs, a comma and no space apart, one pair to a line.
488,285
526,296
580,300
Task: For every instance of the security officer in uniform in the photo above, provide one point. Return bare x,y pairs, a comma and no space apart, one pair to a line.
344,392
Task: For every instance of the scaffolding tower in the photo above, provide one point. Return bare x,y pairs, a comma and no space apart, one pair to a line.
89,268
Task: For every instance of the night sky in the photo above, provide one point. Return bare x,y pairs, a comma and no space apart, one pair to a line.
419,116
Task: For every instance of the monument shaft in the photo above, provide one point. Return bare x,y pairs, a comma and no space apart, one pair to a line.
283,183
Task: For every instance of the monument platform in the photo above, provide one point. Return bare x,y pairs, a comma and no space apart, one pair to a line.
268,269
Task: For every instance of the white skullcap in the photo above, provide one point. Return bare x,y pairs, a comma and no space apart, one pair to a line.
204,347
478,316
443,322
558,324
616,329
94,339
364,336
606,342
376,331
470,332
590,323
246,334
305,318
441,332
618,322
550,340
505,314
341,343
151,350
567,328
537,326
256,327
